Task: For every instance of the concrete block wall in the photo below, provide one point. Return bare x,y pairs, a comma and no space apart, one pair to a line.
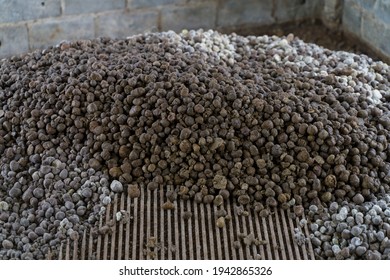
369,20
26,25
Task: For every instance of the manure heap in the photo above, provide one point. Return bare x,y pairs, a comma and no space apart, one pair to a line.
264,122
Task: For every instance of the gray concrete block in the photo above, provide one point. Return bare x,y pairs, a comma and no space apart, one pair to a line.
291,10
384,44
382,11
52,31
13,40
331,12
92,6
366,4
136,4
189,17
376,33
245,12
371,30
21,10
352,17
124,24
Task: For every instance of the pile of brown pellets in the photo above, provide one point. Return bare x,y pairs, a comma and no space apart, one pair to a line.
262,121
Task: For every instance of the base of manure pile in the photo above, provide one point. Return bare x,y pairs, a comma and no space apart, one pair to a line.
140,229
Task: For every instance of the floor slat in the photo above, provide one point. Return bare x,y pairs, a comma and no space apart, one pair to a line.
147,231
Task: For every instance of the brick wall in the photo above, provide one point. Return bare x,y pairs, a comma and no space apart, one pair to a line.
26,25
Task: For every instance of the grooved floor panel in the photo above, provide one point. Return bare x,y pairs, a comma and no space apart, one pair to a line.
189,231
